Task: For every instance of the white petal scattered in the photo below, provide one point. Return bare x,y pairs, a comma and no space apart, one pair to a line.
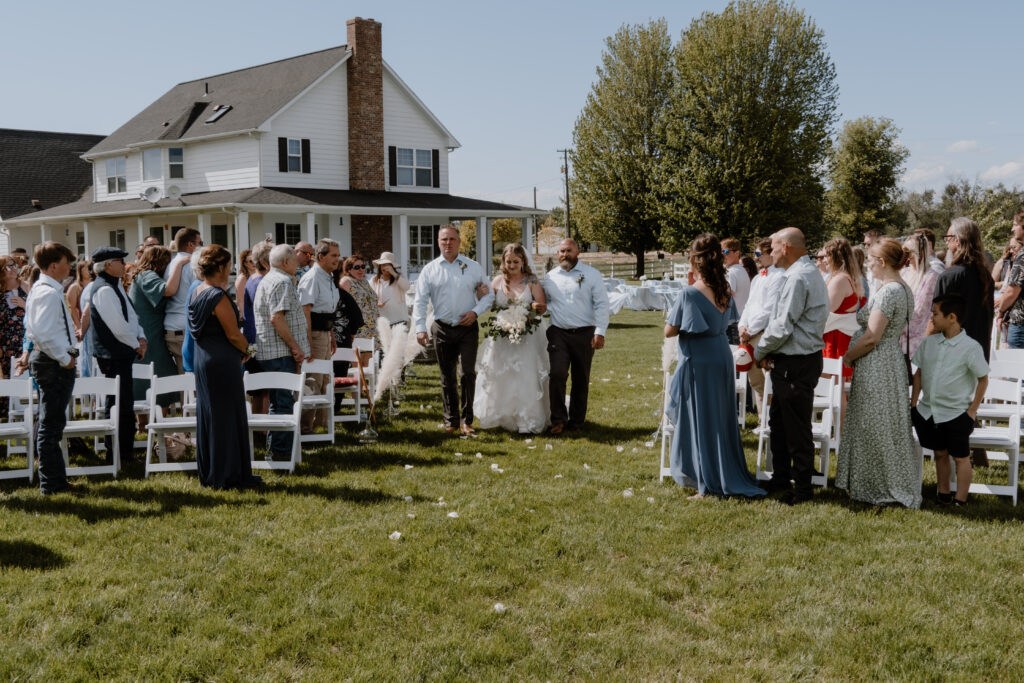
409,467
628,493
634,450
440,499
558,476
453,514
479,455
458,454
527,441
494,465
411,516
442,504
421,407
619,449
605,379
529,510
500,471
649,444
408,499
628,376
548,447
395,535
530,447
650,500
586,466
499,608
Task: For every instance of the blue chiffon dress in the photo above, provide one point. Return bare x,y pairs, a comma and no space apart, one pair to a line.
707,453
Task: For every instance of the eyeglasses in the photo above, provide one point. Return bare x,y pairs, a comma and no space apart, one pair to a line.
361,266
758,253
951,237
726,252
819,257
303,251
11,266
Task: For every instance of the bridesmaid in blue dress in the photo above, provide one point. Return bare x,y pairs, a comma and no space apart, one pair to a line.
222,435
707,453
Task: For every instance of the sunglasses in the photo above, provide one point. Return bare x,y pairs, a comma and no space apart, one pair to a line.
758,253
726,252
950,237
307,253
359,267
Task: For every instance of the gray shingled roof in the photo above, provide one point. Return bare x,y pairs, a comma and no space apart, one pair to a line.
44,166
254,95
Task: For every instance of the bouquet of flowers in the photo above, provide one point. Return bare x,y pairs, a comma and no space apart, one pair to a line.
514,322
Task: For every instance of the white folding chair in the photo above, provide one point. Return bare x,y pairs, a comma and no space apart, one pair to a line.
1014,355
142,372
741,394
833,367
349,386
667,431
281,381
18,429
821,430
93,391
160,425
17,406
324,401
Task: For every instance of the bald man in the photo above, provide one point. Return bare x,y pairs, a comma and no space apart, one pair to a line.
791,349
304,253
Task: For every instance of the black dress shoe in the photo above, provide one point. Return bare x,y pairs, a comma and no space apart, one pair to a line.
66,488
774,485
794,497
254,481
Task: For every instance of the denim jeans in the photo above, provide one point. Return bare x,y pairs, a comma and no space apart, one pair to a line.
1015,336
55,385
281,402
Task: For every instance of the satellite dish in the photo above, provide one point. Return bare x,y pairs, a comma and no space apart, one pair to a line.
174,192
152,194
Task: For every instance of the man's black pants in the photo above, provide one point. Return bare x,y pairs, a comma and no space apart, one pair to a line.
789,418
111,367
455,345
570,351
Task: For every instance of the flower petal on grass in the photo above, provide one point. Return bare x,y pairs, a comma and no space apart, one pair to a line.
651,499
395,535
586,466
619,449
409,467
499,608
628,493
453,514
558,476
408,499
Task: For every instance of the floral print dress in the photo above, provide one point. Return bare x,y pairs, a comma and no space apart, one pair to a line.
12,330
363,293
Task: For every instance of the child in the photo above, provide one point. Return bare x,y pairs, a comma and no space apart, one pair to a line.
951,368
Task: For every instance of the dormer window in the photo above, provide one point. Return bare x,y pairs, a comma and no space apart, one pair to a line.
414,167
117,180
176,162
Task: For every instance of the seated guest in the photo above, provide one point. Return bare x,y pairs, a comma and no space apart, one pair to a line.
953,375
222,434
282,336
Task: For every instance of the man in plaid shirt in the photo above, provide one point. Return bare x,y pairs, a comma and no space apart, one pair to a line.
282,336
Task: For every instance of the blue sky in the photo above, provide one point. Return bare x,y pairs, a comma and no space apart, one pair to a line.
509,79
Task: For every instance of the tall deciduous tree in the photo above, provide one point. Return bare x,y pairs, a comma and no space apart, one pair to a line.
617,143
749,124
865,173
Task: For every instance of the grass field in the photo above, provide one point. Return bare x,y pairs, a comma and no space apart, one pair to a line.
161,580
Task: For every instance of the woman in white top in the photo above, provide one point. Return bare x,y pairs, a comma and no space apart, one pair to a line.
390,288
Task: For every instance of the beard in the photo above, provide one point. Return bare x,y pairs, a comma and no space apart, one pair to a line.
567,262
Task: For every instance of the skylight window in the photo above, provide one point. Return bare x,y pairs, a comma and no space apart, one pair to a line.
218,112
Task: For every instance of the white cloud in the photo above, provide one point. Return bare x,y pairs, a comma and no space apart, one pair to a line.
1010,169
924,174
963,146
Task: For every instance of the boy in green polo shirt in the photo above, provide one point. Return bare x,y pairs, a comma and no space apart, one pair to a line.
951,379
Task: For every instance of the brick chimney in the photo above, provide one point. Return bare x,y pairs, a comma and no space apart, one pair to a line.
366,156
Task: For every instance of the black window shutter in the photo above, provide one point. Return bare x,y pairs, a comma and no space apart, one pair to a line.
305,155
392,166
282,155
279,233
435,159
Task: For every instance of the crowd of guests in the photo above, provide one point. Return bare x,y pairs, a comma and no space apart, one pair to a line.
882,307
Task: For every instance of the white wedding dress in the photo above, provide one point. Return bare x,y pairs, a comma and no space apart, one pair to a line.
512,379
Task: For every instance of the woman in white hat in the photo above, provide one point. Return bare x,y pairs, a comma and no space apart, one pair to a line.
390,288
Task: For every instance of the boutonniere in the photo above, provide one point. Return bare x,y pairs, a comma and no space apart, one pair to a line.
579,280
462,266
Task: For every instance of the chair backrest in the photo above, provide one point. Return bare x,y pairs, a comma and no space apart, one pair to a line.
1002,390
832,366
16,388
95,386
1006,369
142,371
288,381
1015,355
318,366
173,384
345,355
364,345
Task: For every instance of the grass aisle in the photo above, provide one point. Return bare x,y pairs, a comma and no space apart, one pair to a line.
162,580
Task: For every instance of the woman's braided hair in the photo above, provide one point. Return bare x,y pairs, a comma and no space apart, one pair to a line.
706,259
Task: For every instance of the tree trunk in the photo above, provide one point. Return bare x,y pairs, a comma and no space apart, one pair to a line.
639,264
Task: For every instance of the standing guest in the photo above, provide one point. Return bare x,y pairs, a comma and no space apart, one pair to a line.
282,336
390,289
1010,302
870,237
706,450
739,283
791,349
20,257
149,294
318,296
353,280
578,302
188,343
967,276
953,374
877,463
845,297
1001,268
861,257
261,258
749,265
83,276
304,253
935,261
921,278
48,326
186,241
12,315
117,339
821,261
765,289
451,282
246,267
347,321
222,429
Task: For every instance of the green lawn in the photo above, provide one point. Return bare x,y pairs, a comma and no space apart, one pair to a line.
162,580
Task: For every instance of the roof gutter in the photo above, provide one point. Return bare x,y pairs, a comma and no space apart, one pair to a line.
163,143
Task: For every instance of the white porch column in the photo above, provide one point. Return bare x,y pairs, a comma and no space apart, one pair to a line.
203,222
241,233
85,234
528,237
142,231
403,243
310,228
42,232
483,248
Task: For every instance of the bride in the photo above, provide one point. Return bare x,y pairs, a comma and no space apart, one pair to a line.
512,379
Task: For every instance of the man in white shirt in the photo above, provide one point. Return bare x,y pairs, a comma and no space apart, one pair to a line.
578,303
765,289
318,296
739,282
186,241
48,325
452,284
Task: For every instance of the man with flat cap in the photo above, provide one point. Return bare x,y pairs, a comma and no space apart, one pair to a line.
117,339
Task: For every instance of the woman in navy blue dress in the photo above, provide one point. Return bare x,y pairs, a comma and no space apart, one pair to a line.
222,435
707,453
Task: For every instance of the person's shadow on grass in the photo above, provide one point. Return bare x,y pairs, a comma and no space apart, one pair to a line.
28,555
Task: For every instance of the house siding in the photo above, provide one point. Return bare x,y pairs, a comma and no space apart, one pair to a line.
227,164
407,125
321,117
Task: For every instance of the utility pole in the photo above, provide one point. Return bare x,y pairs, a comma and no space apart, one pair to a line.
565,169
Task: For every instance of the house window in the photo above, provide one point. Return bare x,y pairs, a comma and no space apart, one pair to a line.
422,245
117,181
219,235
117,239
294,156
287,233
414,167
151,164
80,244
176,162
157,231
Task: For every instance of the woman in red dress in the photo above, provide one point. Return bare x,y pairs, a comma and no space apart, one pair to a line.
845,296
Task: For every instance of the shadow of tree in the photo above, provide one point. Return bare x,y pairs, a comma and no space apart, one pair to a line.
342,492
29,555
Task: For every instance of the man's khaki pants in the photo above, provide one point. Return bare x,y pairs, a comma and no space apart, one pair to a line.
174,340
317,384
755,375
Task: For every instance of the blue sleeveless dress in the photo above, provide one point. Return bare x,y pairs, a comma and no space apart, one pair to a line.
706,450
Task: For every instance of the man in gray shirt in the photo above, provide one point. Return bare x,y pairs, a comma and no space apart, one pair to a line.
791,349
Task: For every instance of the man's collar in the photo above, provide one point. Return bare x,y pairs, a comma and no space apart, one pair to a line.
577,265
954,341
46,279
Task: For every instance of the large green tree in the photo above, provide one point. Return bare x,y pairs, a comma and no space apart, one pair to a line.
749,125
865,172
616,142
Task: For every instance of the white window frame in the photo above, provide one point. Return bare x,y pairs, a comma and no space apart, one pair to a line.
80,244
175,169
117,239
415,167
422,246
116,169
152,168
295,157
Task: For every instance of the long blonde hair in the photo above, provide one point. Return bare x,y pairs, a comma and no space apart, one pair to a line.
920,250
514,249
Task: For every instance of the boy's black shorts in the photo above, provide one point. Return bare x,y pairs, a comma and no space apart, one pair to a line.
953,436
